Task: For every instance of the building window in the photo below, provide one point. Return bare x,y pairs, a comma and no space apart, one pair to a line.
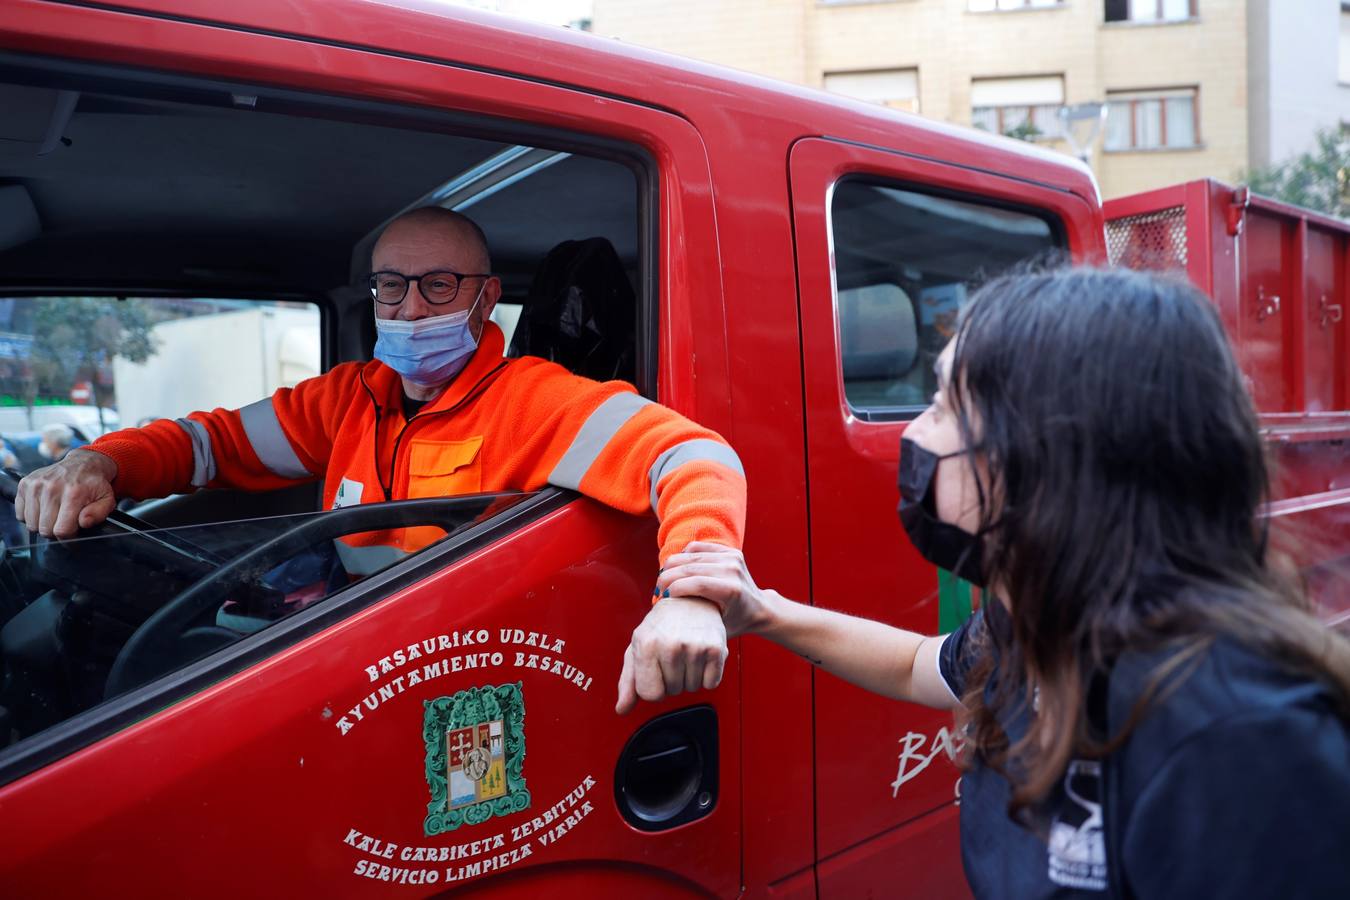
1150,10
1026,108
1152,120
896,88
1002,5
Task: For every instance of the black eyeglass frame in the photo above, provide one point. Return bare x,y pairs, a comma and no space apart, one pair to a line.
409,279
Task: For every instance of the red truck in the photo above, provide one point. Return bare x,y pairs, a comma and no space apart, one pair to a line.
793,261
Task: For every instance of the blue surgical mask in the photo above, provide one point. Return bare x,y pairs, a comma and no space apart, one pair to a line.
430,351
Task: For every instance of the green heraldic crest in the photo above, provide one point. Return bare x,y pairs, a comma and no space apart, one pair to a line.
475,756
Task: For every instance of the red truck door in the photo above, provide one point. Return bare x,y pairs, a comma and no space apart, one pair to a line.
888,246
322,755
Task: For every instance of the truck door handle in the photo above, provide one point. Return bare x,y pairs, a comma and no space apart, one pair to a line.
1330,312
1266,306
667,773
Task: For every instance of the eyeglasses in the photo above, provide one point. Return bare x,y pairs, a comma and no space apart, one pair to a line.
437,288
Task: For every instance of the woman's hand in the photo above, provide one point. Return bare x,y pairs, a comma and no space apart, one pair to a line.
718,574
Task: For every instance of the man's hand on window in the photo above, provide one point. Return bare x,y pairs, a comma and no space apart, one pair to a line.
57,500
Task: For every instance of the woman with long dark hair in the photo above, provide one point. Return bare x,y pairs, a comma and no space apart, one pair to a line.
1150,708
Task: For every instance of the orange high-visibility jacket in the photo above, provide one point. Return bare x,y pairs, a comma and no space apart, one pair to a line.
502,424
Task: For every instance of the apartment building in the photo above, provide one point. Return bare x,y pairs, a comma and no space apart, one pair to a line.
1190,87
1298,74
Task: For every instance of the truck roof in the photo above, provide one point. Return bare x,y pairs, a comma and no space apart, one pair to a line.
707,95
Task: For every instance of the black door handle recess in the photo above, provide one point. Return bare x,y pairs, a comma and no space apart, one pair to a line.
667,773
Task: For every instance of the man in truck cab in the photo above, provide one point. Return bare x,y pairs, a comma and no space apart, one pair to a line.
439,411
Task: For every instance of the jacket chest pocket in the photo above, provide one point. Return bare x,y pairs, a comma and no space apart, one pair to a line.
444,468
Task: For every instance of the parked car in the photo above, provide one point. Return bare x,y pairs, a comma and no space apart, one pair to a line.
176,726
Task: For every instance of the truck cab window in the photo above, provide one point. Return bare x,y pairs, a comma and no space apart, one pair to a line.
222,252
905,263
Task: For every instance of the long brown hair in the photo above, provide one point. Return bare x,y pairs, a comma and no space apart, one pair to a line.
1118,438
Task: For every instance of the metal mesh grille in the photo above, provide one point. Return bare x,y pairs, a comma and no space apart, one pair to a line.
1155,240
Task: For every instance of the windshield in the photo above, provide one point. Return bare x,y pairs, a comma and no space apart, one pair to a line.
88,619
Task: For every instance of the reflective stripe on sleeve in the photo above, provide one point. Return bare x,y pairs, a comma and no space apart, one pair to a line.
699,449
269,441
203,460
595,433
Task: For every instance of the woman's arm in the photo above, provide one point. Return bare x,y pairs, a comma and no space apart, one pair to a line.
884,660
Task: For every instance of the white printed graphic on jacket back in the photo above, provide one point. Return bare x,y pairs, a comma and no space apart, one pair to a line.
1077,852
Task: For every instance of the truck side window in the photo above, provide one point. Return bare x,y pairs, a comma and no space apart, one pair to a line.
217,289
905,263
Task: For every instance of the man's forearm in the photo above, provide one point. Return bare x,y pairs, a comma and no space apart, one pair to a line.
701,502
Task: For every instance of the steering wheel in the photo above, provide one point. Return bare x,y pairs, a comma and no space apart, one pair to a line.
157,646
59,643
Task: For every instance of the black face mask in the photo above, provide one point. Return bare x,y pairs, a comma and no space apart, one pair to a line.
941,543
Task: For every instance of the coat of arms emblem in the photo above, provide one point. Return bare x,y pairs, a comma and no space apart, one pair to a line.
475,755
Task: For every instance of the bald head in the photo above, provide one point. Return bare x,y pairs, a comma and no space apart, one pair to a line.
428,228
431,239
